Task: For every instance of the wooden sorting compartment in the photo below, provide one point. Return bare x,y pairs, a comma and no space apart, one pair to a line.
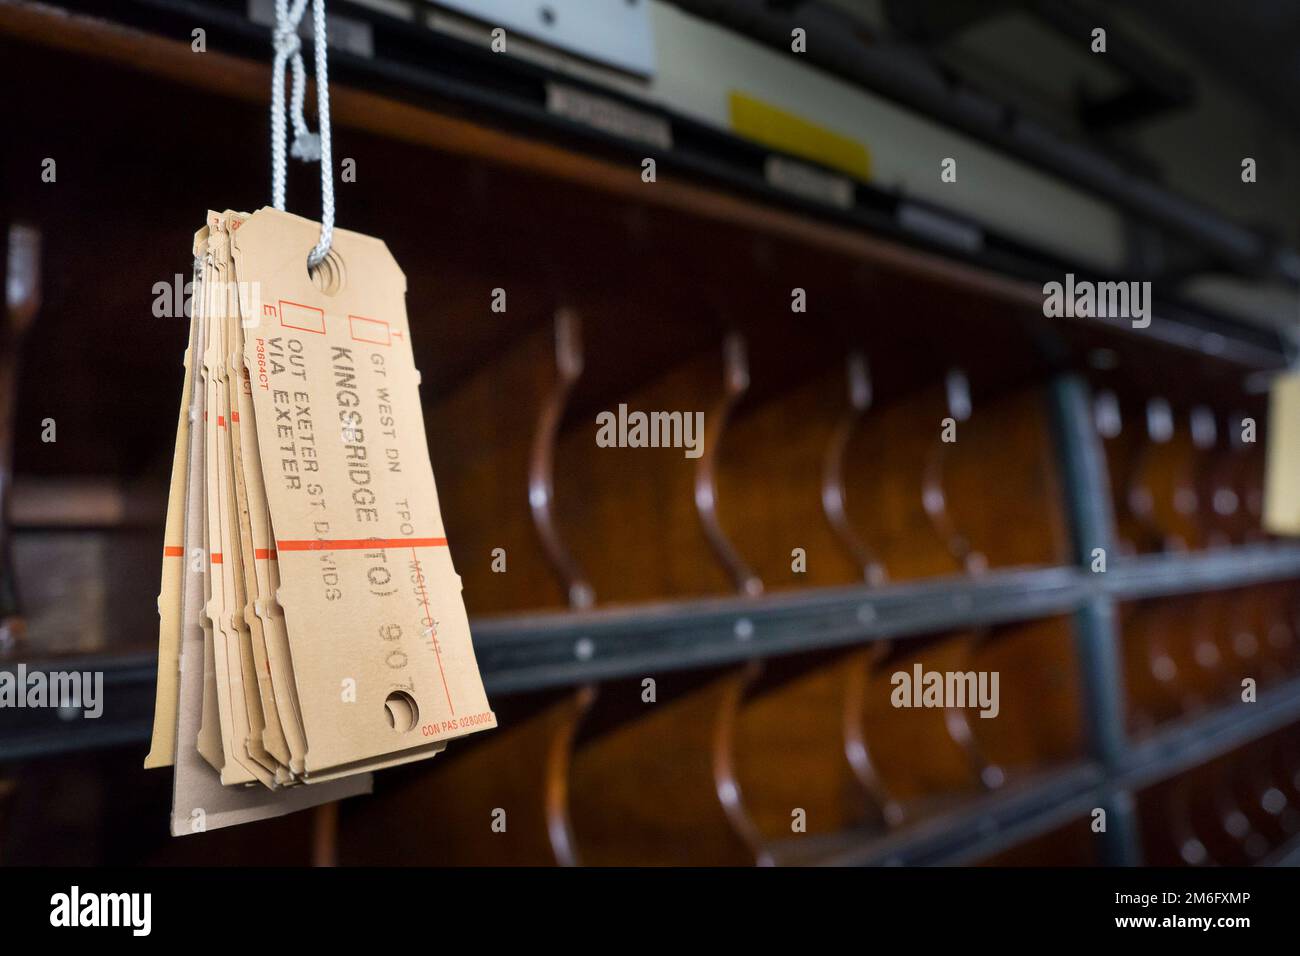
483,442
1189,654
1237,809
877,478
629,519
1186,467
649,784
773,761
786,485
594,776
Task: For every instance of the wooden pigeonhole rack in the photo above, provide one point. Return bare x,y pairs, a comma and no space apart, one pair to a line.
631,568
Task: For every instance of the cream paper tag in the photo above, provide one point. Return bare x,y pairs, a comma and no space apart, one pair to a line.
237,765
253,547
162,747
209,733
245,686
1282,474
379,640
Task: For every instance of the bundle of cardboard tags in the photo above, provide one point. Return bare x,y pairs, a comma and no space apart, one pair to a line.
312,627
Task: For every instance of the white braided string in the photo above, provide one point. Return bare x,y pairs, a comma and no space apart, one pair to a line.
307,146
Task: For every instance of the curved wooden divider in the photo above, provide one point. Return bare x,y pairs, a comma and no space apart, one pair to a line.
628,514
790,754
1121,438
1160,489
1171,648
735,377
541,464
956,492
888,507
1180,827
499,490
646,785
790,710
1040,719
1270,811
834,492
1154,664
484,453
652,781
794,777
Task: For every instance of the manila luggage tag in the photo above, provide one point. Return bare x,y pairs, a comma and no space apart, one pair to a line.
236,765
1282,470
377,630
272,738
162,748
199,800
209,731
261,610
247,688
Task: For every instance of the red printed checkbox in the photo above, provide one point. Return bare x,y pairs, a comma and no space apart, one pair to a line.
373,331
304,318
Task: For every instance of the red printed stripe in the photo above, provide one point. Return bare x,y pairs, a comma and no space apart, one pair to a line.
437,648
221,421
357,544
261,554
216,557
171,551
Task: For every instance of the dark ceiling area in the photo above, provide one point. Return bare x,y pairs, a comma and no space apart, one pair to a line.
1252,44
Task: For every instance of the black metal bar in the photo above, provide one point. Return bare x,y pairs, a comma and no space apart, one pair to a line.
1087,486
1189,743
55,741
566,648
1083,468
126,718
1123,844
985,825
1103,691
994,822
1159,575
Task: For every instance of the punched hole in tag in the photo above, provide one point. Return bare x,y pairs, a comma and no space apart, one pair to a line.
403,714
329,275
